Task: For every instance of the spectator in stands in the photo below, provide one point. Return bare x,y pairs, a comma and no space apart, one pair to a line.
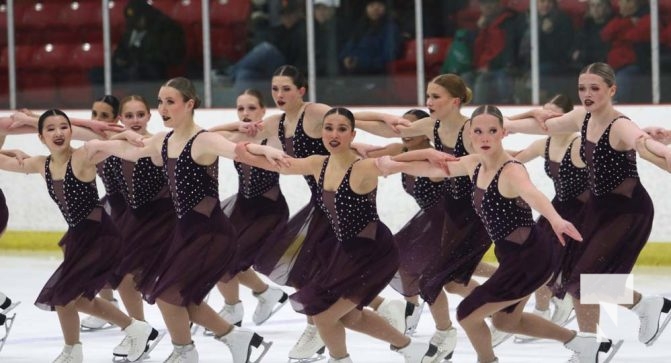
286,44
375,41
150,44
439,17
589,47
629,54
495,53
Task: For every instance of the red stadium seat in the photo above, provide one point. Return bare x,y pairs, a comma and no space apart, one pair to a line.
576,9
87,55
186,12
41,15
225,41
229,12
50,57
23,54
435,50
82,15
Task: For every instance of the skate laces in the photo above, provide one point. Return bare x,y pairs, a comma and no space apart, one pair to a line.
308,335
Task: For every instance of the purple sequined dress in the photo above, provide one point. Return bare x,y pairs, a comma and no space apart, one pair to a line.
256,211
616,220
203,245
526,253
91,246
357,261
287,257
148,224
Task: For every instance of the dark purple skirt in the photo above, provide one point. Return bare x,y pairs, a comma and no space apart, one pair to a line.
115,206
523,268
4,212
615,228
287,257
146,234
465,241
254,219
199,255
417,243
91,256
356,270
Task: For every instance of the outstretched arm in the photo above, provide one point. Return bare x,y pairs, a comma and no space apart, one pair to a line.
534,150
120,148
516,180
542,124
256,155
658,157
31,165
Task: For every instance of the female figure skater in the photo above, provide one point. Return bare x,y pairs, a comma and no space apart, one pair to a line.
91,245
502,196
255,211
361,258
618,213
202,232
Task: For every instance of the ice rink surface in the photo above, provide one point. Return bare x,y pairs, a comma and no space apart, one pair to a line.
36,336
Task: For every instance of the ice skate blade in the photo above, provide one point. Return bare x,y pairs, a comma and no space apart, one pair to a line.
150,346
508,336
107,326
258,343
666,309
524,340
280,304
315,358
209,333
615,346
11,307
9,322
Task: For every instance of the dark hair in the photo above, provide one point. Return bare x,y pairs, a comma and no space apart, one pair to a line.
112,101
186,88
256,94
129,98
455,86
341,111
562,101
489,110
294,73
419,114
602,70
49,113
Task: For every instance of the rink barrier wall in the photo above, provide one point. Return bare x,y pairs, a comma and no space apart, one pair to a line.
654,254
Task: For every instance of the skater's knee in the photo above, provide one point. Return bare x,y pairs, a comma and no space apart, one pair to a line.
505,322
353,318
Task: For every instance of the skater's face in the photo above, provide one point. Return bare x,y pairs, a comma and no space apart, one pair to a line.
56,133
102,111
172,106
413,142
487,133
285,93
249,108
135,116
594,92
337,133
439,101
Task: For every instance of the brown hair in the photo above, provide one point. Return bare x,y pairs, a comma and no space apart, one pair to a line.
602,70
186,88
455,86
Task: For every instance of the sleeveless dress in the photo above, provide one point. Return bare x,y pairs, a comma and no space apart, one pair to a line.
464,241
617,218
4,212
113,200
203,245
357,260
91,245
418,239
526,253
256,211
571,192
287,258
148,224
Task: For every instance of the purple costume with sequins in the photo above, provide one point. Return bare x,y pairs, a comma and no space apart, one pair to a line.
203,246
526,253
91,246
287,258
464,241
4,212
256,211
113,200
148,224
617,218
414,239
571,192
360,258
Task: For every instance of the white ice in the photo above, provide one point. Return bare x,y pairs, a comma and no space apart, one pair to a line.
36,336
